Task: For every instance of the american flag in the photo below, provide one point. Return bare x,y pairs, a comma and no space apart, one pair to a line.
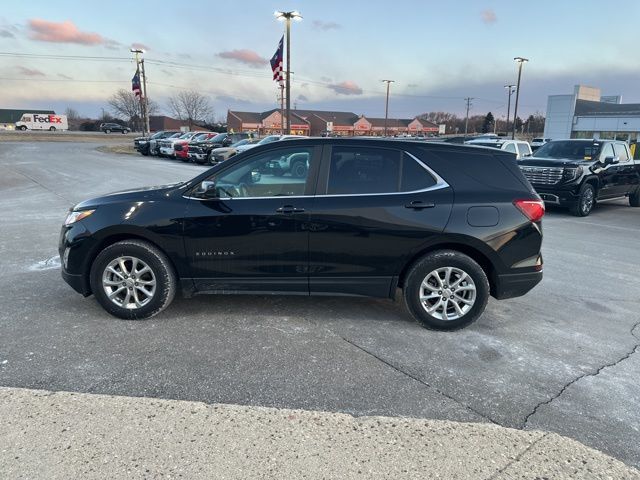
276,63
135,84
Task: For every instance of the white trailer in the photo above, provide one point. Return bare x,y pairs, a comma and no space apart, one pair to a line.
39,121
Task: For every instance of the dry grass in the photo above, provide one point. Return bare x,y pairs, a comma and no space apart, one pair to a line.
121,148
31,136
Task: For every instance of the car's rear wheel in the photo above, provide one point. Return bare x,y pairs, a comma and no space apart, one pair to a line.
22,127
586,201
107,131
133,280
446,290
52,129
634,198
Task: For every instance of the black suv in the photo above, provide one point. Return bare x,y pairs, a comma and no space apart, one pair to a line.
199,152
114,127
450,225
578,173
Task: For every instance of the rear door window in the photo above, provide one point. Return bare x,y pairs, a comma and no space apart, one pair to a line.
621,152
523,149
364,170
510,147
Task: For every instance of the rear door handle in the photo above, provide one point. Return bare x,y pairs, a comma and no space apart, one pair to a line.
289,209
419,205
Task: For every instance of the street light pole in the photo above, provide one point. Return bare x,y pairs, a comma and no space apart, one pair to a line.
466,122
521,61
386,108
510,91
287,17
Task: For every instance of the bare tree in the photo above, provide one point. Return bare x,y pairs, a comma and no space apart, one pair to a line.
191,106
126,104
72,113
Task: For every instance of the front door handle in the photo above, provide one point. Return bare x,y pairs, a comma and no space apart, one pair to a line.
289,209
419,205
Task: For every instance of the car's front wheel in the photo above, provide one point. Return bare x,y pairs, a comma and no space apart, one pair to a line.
133,279
634,198
52,129
586,201
446,290
107,131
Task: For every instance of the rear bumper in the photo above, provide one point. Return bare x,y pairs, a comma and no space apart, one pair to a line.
512,285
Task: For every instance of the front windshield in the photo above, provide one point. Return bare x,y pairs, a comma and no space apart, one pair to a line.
157,135
569,149
241,142
199,136
269,139
176,135
186,136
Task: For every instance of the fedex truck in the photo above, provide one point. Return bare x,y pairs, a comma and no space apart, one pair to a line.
39,121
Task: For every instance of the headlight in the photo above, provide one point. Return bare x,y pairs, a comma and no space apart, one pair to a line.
74,217
572,173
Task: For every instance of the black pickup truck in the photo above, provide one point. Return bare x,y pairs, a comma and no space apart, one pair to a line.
578,173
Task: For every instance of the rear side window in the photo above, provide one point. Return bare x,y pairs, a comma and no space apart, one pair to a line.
621,151
363,170
523,149
510,148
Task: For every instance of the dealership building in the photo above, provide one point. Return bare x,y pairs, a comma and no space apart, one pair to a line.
321,122
587,114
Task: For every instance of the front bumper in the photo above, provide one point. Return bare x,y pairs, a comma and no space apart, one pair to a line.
513,285
168,151
551,196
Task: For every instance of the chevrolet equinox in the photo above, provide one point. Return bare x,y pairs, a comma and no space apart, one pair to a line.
450,225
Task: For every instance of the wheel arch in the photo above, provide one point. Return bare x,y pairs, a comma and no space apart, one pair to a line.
471,251
112,237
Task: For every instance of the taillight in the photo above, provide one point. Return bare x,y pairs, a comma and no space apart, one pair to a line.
532,209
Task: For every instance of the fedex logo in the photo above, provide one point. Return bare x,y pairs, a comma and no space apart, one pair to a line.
46,118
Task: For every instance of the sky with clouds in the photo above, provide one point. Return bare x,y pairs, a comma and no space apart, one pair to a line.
437,52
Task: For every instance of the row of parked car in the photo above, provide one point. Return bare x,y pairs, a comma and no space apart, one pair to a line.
208,148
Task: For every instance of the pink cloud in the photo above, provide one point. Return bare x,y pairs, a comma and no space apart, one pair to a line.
62,32
248,57
488,16
30,72
346,88
140,46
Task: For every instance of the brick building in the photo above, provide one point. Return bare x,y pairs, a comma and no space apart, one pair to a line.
321,122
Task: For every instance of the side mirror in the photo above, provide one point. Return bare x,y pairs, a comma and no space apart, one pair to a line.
611,160
207,189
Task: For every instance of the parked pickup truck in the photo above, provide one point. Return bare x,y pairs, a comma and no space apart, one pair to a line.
199,151
579,173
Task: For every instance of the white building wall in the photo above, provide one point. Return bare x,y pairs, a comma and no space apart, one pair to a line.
559,120
607,124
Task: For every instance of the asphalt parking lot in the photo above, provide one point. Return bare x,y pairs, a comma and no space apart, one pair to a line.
564,358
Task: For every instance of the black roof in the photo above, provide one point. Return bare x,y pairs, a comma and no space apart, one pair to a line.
585,108
8,115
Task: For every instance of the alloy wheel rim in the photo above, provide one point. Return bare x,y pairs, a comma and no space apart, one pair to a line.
587,202
129,282
448,293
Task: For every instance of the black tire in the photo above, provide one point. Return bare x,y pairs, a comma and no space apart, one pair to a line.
586,201
440,259
52,129
23,128
145,151
634,198
299,169
107,131
125,131
165,277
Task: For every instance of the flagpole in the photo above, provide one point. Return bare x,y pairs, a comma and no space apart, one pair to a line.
146,98
281,108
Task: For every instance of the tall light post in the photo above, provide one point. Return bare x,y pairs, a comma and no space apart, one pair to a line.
521,61
510,91
287,17
386,107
